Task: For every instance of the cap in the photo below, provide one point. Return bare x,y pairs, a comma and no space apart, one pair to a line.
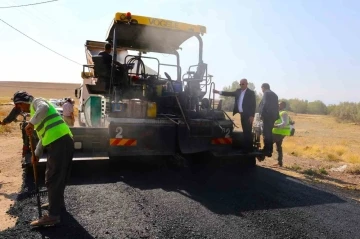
22,97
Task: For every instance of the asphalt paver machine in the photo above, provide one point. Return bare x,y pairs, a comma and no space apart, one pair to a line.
130,109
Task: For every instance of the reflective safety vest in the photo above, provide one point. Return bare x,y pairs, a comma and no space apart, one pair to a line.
52,127
285,130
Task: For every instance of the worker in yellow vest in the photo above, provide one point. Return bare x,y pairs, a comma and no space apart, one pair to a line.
280,130
56,137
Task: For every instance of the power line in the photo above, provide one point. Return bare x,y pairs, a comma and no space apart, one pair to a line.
30,4
39,42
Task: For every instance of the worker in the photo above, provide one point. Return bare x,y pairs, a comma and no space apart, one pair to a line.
281,130
12,117
269,112
107,57
14,113
245,105
68,112
119,69
56,137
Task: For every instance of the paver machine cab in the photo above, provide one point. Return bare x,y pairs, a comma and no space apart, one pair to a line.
131,110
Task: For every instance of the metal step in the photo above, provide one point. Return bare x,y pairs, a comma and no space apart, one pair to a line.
82,156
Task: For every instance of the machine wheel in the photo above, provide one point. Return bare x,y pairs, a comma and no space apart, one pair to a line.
251,163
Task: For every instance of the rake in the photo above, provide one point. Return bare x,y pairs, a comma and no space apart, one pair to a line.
37,192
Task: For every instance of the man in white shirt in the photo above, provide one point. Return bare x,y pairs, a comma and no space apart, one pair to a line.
245,105
68,112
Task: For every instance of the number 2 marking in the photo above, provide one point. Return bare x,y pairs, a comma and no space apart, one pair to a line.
119,131
227,132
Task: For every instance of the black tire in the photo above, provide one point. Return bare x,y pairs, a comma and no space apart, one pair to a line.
251,163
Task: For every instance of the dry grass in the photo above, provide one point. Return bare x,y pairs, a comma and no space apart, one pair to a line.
321,137
4,110
6,129
5,100
294,167
315,172
354,169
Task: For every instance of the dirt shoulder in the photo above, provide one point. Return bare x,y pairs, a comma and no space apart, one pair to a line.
331,175
10,176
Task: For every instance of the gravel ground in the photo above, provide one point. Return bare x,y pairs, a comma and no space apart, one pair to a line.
128,201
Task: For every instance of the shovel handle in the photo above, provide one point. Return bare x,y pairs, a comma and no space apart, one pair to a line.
33,156
35,175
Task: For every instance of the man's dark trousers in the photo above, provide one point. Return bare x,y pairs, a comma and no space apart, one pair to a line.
58,168
268,125
278,140
247,131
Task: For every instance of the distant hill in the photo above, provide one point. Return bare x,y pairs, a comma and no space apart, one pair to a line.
41,89
38,89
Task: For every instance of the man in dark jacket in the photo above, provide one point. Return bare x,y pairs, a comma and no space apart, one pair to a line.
120,71
245,105
269,113
12,117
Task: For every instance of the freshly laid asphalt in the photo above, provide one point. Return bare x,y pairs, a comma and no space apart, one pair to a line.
130,201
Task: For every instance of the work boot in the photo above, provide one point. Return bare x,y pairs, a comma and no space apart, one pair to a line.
46,220
45,206
266,152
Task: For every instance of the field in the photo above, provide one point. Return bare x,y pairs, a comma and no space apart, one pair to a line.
37,89
321,150
321,137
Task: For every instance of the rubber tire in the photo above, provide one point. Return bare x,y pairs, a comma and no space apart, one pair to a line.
251,163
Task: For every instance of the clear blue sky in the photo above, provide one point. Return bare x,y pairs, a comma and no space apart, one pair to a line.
304,49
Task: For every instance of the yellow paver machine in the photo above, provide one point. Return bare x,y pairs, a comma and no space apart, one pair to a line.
129,109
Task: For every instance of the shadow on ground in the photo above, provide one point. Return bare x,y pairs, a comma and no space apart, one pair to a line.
26,210
228,189
225,190
11,196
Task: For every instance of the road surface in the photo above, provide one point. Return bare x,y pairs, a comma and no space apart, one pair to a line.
127,201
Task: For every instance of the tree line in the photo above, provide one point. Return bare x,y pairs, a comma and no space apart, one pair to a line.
344,111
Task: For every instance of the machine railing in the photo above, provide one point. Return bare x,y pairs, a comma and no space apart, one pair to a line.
138,58
213,99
